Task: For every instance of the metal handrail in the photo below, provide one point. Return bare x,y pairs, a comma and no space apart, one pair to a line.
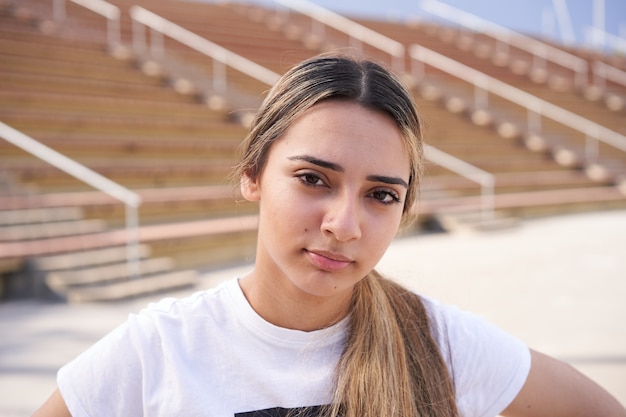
221,56
505,38
355,31
101,7
73,168
486,180
535,106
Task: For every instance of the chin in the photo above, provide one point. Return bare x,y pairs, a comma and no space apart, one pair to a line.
326,284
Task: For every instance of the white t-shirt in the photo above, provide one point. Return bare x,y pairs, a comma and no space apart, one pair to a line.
212,355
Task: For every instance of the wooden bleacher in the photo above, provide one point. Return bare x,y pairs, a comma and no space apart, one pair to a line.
65,89
134,129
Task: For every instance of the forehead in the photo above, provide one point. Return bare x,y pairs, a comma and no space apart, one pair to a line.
349,134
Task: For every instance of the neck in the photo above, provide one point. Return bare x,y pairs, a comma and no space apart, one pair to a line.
291,308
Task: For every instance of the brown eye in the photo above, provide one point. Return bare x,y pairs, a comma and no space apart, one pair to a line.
311,179
386,196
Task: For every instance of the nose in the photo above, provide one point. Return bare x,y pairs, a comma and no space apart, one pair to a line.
342,219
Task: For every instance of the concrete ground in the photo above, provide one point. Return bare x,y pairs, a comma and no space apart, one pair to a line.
557,283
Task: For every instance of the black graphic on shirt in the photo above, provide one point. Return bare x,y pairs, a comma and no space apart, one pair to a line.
284,412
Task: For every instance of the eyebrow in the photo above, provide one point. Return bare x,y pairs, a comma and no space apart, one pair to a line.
338,168
319,162
388,180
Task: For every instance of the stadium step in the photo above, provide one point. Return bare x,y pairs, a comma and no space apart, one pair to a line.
49,229
108,273
84,258
101,275
134,287
38,215
112,281
467,213
473,221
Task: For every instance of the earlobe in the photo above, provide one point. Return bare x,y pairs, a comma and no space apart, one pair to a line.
250,188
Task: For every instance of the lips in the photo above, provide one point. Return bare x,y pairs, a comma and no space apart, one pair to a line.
328,261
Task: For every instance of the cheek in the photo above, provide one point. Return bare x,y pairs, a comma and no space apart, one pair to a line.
382,240
382,232
288,208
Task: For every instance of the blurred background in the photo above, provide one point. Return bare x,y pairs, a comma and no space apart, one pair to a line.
594,23
120,122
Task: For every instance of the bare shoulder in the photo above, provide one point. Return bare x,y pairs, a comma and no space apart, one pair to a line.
53,407
555,389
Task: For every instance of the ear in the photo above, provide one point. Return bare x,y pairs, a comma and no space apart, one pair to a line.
250,188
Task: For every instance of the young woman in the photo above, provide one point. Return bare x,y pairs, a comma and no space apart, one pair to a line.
333,160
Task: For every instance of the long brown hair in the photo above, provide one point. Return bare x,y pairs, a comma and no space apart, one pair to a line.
391,365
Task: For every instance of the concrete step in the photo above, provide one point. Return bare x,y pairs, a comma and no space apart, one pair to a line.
109,273
47,230
39,215
471,221
81,259
133,287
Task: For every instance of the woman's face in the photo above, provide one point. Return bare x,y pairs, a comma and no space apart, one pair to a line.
330,196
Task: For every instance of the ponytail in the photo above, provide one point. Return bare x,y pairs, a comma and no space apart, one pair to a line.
391,365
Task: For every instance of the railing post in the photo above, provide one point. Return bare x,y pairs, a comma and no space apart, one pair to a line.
417,65
219,75
534,117
592,146
133,265
156,44
481,96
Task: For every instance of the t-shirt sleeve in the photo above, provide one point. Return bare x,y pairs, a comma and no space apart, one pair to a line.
488,366
107,379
